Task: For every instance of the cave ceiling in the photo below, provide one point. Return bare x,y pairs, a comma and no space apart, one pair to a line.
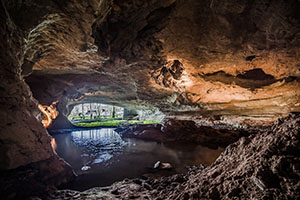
183,57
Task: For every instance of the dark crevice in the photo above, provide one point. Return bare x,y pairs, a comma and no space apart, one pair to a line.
169,73
255,74
251,79
250,58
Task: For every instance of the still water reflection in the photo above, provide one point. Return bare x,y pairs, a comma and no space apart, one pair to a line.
101,157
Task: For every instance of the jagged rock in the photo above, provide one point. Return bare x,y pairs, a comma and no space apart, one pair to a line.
166,166
156,165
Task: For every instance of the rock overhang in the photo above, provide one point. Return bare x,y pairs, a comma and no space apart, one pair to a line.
188,58
199,58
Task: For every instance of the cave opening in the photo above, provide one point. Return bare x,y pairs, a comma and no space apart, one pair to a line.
164,99
105,115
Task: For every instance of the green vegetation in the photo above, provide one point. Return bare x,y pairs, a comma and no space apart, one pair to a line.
113,122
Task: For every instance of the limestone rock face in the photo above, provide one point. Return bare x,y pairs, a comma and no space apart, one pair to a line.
217,57
19,126
211,58
23,139
188,58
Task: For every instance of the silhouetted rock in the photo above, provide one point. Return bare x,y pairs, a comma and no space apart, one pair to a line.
173,130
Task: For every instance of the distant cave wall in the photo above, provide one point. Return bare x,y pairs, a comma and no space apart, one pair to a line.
130,114
69,90
25,143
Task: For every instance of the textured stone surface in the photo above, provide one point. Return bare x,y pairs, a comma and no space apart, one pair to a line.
24,141
262,166
194,40
188,58
184,57
20,128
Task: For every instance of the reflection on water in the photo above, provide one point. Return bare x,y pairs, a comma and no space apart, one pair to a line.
105,135
101,157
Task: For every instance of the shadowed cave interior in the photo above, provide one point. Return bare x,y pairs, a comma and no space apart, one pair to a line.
160,99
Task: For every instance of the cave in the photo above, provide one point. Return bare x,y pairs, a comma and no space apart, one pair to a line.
213,88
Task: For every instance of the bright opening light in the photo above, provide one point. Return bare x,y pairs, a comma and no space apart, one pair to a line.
50,113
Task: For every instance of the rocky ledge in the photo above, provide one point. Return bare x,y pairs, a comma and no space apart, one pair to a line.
261,166
173,130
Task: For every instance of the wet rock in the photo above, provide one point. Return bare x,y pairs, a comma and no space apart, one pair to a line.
156,165
185,131
85,168
166,166
147,186
31,180
115,192
259,183
161,165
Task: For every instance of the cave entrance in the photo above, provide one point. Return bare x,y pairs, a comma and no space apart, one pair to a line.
105,115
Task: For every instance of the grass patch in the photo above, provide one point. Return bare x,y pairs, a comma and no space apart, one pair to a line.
113,123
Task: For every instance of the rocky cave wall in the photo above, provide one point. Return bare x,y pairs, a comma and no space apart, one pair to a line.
217,58
190,59
238,62
25,143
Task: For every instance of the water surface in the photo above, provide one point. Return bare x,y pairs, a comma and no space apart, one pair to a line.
101,157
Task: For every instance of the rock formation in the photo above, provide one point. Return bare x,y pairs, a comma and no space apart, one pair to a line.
188,58
25,144
233,62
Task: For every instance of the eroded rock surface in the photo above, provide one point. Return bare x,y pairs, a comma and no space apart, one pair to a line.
173,130
194,40
188,58
25,144
261,166
210,58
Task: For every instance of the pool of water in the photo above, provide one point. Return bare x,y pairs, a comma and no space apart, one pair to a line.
101,157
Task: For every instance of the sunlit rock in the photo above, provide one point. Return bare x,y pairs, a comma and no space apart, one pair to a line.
50,113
